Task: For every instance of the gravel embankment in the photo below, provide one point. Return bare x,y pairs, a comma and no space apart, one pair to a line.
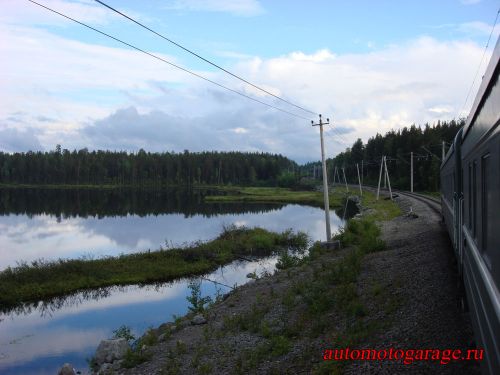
419,271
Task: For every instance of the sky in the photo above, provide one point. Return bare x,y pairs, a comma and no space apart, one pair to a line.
368,66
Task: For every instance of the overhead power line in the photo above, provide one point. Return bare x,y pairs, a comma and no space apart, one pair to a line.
202,58
480,63
339,135
168,62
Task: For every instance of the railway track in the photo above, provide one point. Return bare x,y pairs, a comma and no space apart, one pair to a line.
433,203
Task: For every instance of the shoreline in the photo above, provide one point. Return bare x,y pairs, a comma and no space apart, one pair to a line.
274,321
357,297
39,280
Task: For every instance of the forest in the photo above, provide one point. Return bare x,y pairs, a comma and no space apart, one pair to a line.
83,167
397,145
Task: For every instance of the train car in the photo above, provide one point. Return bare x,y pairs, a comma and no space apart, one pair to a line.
470,196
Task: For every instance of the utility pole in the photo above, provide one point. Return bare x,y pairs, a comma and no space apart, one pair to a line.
345,179
387,176
359,180
362,173
325,182
411,171
380,175
443,153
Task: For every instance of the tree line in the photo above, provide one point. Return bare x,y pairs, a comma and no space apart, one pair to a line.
82,167
425,143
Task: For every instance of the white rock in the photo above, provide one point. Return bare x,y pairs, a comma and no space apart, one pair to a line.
111,350
198,319
67,369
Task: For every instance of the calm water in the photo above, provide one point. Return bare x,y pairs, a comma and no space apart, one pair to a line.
51,224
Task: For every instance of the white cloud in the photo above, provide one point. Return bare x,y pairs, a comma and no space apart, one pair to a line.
236,7
12,139
445,109
240,130
104,97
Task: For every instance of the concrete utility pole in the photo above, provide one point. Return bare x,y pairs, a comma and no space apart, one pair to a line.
336,173
359,180
411,171
380,176
345,180
387,176
325,182
443,153
362,173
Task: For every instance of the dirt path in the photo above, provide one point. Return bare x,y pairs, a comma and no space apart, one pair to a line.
404,297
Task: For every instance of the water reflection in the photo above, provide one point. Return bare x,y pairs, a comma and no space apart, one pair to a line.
100,203
68,329
51,224
44,236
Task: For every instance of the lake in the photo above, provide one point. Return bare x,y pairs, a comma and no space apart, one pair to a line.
69,223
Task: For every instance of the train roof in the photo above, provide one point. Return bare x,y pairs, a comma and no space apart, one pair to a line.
487,81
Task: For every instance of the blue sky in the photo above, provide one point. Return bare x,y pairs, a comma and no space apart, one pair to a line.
370,65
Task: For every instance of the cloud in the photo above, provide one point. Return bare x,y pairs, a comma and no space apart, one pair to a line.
110,97
257,130
236,7
14,140
445,109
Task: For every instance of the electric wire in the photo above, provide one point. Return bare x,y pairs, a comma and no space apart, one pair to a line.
480,63
202,58
342,139
168,62
337,133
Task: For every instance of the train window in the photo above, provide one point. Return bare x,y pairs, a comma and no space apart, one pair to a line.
474,198
485,189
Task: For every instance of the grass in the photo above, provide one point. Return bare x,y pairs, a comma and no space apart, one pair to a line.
276,195
308,302
381,209
49,279
320,287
